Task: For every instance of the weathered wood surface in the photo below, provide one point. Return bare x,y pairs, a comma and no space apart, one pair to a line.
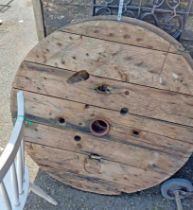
114,173
78,114
145,101
140,34
91,70
120,61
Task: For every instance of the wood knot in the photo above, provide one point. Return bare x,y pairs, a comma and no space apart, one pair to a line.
103,89
78,77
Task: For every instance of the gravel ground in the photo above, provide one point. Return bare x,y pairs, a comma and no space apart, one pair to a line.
72,199
17,37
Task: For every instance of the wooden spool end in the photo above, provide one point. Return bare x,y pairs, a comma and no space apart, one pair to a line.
111,105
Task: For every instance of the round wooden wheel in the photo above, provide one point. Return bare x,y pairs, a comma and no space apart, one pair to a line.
111,105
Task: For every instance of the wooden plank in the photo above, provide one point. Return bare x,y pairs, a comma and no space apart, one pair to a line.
129,31
44,109
118,138
78,181
66,161
140,100
140,156
177,74
79,115
113,60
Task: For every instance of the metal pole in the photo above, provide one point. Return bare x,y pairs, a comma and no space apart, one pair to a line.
14,183
20,170
178,200
5,197
120,11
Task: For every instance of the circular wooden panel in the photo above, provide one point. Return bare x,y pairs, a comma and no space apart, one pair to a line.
110,105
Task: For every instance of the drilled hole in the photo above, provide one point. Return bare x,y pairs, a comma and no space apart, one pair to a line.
77,138
126,92
61,120
104,89
86,106
135,132
99,127
124,110
78,77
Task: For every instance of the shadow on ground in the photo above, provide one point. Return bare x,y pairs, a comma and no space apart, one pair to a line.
73,199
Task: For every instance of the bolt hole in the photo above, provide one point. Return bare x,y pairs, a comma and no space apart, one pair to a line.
77,138
105,89
99,127
61,120
124,110
126,92
135,132
86,106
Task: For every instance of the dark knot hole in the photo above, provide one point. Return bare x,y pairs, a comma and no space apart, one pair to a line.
103,89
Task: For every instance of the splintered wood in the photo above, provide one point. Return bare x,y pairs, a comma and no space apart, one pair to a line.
111,105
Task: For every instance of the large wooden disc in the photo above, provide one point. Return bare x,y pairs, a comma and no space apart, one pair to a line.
111,105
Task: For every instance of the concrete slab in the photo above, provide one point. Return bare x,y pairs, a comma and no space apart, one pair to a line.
17,37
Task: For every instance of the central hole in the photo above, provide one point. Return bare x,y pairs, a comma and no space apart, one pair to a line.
99,127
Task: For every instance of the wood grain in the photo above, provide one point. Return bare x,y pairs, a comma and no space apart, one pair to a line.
166,137
140,100
140,156
130,74
178,76
65,161
113,60
130,31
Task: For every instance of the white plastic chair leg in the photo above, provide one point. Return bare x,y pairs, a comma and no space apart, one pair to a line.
38,191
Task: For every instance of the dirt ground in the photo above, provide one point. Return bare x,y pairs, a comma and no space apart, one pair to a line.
17,37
